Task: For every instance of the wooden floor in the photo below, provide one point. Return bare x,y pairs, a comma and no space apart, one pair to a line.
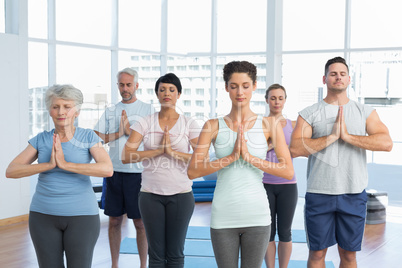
381,246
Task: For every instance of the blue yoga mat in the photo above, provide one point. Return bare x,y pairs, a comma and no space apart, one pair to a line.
199,254
209,262
191,247
198,232
203,232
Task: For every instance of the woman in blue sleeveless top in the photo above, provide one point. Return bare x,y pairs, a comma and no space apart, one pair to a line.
240,216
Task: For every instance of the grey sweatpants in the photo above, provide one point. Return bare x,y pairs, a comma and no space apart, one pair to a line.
53,236
251,241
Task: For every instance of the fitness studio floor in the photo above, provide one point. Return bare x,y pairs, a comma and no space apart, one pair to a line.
381,245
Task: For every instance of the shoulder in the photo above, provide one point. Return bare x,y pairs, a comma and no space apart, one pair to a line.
312,112
85,138
143,105
268,121
189,120
45,133
210,130
86,132
145,122
41,137
313,108
211,125
114,107
360,106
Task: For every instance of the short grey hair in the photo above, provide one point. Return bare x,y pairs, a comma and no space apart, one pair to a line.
65,92
129,71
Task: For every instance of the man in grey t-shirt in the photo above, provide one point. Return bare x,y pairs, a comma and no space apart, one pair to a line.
334,134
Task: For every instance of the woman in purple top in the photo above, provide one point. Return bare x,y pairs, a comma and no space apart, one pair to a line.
282,193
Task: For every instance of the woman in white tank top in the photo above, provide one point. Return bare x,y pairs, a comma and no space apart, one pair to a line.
240,215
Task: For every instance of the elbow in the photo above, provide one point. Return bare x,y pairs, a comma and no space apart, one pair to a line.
106,170
191,174
10,174
293,152
388,146
128,157
125,157
287,171
109,171
296,153
290,172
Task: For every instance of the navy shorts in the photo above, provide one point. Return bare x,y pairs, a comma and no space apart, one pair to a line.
335,219
121,197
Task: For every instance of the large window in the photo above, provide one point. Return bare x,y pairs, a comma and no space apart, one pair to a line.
376,24
2,17
37,19
313,24
223,101
140,24
148,68
242,25
86,21
86,46
189,31
88,70
303,80
37,82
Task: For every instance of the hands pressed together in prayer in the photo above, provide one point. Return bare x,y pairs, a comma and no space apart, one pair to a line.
124,128
339,130
165,145
240,147
57,156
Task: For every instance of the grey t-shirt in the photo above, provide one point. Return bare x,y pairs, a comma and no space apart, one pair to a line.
110,123
341,168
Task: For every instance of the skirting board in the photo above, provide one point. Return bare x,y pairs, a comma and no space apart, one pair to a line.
12,220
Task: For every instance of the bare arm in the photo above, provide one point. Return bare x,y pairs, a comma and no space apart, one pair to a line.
130,152
284,167
108,137
200,164
293,124
302,144
185,157
22,165
124,129
378,138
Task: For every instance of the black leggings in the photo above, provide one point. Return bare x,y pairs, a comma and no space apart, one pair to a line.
54,235
282,202
166,220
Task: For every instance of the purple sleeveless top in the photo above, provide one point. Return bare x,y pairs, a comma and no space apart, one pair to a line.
271,156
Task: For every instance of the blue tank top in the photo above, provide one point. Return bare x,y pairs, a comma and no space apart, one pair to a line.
240,199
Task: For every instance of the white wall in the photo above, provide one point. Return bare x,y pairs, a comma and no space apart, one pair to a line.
14,193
